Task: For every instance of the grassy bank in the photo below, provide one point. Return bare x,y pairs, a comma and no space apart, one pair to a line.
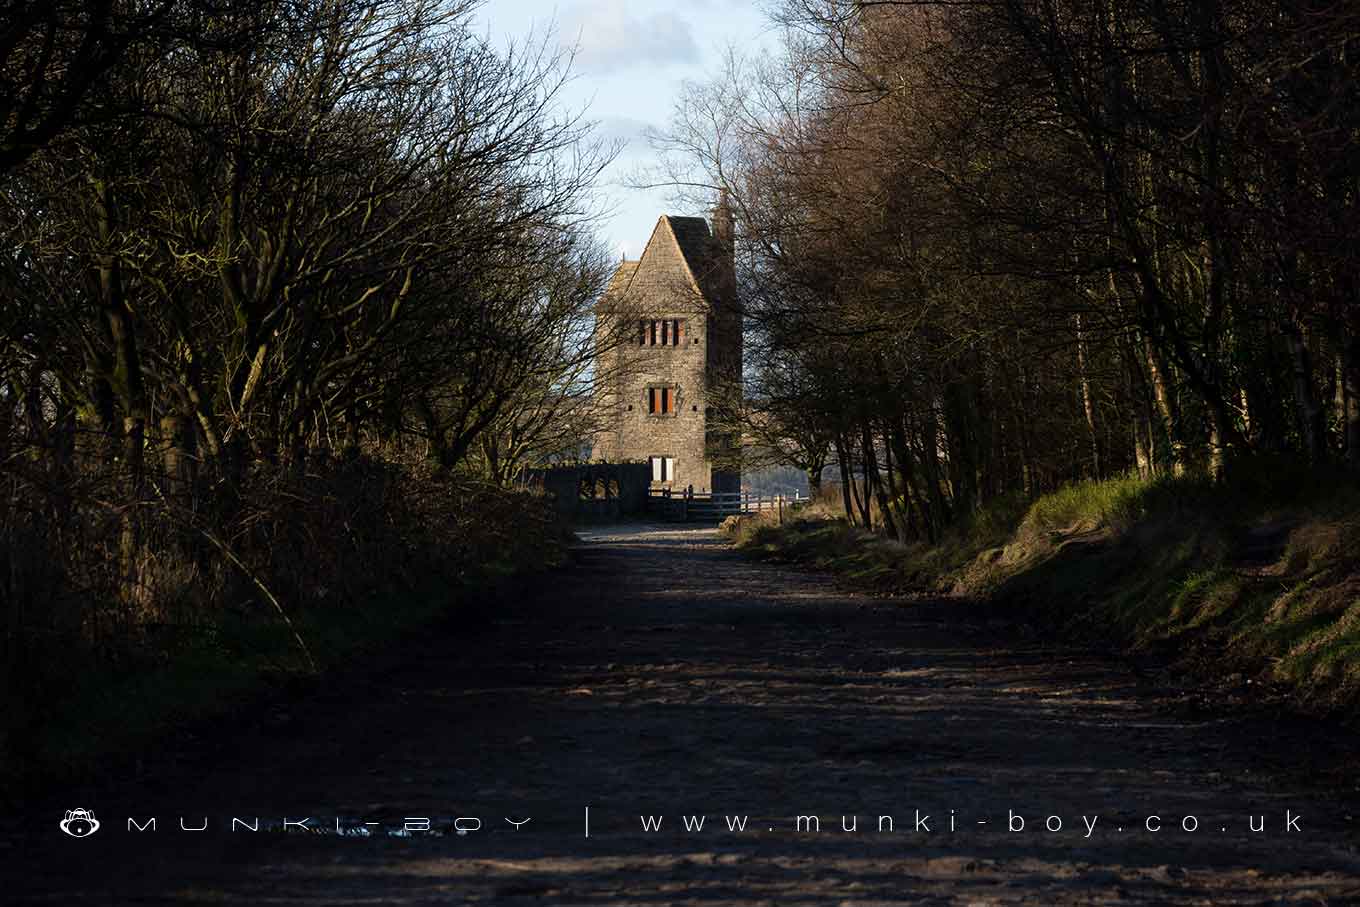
1258,577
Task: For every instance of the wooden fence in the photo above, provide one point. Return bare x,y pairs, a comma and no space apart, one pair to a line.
697,506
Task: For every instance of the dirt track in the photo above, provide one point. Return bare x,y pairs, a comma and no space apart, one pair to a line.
665,676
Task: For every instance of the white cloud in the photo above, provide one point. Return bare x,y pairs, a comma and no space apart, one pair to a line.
607,37
622,129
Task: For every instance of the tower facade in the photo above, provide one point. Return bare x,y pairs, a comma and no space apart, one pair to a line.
668,330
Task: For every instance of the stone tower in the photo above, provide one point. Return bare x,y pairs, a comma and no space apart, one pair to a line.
669,331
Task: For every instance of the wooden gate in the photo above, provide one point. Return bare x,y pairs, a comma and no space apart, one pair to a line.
707,506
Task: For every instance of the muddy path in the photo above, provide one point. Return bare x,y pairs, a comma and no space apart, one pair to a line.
664,676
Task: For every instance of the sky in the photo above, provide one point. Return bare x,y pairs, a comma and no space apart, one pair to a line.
632,56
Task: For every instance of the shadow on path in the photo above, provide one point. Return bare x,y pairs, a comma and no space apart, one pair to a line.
664,676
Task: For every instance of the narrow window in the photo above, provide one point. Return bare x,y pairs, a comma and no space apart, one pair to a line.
678,332
665,333
663,468
642,333
653,334
661,401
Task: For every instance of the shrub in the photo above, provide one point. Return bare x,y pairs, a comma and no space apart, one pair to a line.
280,555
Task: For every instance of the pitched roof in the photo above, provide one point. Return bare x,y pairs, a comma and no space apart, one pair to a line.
691,234
697,250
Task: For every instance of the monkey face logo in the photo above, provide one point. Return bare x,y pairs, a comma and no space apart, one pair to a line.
79,823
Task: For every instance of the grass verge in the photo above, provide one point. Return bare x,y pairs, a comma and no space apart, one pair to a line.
1258,577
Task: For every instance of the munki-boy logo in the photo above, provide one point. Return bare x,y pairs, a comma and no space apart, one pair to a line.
79,823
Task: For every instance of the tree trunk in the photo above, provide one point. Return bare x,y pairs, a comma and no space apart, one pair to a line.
866,516
895,493
7,394
1306,403
351,451
1142,444
1087,402
1165,408
911,491
841,460
874,480
814,480
178,459
959,437
1216,452
1351,385
930,448
861,500
127,385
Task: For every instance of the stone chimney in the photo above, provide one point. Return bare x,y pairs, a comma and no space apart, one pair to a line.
725,240
726,326
722,224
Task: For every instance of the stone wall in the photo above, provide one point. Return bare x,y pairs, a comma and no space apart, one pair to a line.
595,491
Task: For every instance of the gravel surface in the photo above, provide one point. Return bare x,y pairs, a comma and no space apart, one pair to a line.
665,676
